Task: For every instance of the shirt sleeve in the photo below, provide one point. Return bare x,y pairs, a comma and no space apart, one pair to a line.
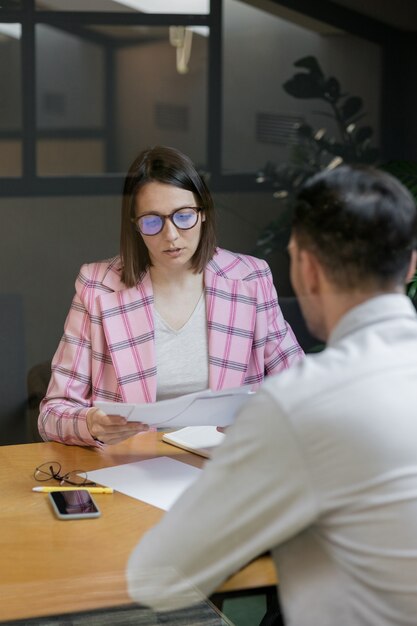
281,348
252,496
64,409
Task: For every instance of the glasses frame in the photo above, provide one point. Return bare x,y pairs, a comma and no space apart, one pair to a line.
164,218
56,475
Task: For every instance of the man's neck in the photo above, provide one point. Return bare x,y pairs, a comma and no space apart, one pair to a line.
337,303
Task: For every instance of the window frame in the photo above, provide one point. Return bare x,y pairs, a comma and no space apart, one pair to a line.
29,183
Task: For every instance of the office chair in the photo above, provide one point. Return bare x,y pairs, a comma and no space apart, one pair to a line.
12,370
37,384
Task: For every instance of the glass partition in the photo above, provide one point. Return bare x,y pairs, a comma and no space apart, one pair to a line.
161,98
69,103
10,5
105,92
10,101
195,7
259,116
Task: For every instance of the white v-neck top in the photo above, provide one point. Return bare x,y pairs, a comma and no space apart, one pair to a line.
182,355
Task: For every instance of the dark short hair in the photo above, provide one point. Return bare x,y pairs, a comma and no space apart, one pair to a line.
360,223
166,165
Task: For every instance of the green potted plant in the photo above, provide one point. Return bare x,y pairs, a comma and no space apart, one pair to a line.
315,150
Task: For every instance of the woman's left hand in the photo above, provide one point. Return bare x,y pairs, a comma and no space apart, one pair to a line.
112,429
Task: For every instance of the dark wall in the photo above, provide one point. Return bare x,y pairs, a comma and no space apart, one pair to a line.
399,99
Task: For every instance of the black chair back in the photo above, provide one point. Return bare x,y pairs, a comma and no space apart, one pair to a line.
12,370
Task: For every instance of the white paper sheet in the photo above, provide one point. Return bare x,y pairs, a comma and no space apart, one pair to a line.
158,481
203,408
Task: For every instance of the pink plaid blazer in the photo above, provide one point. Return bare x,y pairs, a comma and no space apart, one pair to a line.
107,351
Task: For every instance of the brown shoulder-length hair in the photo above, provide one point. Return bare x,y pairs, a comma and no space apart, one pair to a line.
166,165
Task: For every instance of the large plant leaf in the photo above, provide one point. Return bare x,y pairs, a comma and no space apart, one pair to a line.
315,150
311,64
305,130
363,134
351,107
304,86
332,89
355,119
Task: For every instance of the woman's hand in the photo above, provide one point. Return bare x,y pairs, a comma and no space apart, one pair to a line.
111,429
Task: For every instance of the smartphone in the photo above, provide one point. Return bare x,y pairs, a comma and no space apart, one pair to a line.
74,504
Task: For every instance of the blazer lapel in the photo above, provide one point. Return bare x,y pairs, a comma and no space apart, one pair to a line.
231,317
127,318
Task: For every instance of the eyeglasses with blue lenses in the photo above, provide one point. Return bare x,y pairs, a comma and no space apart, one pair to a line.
152,223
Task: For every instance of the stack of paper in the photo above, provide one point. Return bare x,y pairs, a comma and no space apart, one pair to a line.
203,408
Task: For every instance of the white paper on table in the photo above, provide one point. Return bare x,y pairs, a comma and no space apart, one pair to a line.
158,481
203,408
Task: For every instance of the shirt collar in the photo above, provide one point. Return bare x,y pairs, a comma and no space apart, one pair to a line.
377,309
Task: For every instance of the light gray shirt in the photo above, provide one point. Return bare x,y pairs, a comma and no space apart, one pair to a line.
321,468
182,355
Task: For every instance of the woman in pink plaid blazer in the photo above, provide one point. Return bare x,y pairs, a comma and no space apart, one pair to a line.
169,280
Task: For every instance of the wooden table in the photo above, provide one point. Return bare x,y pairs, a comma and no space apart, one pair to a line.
48,566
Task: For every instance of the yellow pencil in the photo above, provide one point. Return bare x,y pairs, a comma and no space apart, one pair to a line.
89,489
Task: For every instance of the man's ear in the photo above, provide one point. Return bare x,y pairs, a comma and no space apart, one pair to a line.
310,270
412,266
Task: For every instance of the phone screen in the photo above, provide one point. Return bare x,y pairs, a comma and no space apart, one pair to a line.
74,504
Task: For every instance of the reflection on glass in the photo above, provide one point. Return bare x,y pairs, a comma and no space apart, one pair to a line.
161,95
62,157
10,101
10,5
259,116
93,118
193,7
69,103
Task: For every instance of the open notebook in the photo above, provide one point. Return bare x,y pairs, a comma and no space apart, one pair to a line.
198,439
